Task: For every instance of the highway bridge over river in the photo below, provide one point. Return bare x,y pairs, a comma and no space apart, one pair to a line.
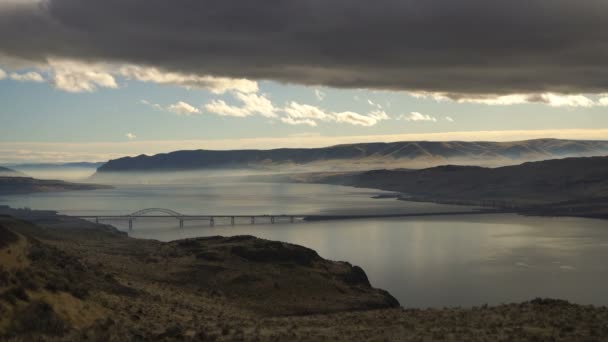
253,219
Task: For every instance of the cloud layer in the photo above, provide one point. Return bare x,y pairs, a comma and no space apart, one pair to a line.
461,49
293,113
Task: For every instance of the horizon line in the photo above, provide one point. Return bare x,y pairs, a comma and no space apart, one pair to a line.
68,152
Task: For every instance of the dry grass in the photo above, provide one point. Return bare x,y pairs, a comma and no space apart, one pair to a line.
94,284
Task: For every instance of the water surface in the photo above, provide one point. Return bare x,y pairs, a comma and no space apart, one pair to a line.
424,262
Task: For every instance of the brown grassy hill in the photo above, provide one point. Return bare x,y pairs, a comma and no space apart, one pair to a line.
547,182
69,280
75,279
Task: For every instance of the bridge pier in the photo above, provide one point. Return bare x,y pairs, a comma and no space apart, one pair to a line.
212,222
181,223
232,220
97,220
271,219
252,219
131,225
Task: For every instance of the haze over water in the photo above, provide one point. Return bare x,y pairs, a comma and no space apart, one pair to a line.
424,262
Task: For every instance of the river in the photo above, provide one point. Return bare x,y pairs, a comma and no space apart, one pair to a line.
463,260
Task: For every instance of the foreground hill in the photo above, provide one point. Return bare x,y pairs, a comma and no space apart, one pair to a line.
26,185
63,279
577,186
361,156
78,279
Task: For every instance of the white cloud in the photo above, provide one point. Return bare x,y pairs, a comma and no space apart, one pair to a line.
355,119
298,111
372,103
449,118
179,108
30,76
131,136
183,108
603,101
76,77
216,85
2,74
379,115
153,105
251,104
556,100
416,116
293,113
506,100
257,104
220,107
291,121
550,99
307,114
320,94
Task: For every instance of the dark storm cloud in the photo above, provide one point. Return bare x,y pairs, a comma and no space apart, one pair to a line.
462,47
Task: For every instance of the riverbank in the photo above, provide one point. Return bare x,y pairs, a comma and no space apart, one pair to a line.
576,187
27,185
85,281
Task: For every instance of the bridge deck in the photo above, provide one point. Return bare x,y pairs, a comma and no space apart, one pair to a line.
308,217
181,216
272,218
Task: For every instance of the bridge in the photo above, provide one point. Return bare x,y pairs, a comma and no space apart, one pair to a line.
168,213
272,219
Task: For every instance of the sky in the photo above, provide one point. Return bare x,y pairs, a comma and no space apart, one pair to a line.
92,80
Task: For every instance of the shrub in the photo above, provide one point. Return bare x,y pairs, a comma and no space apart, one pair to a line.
38,317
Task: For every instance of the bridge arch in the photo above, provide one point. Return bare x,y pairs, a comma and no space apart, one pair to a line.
168,212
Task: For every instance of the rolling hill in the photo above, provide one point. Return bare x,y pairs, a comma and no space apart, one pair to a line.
365,156
570,186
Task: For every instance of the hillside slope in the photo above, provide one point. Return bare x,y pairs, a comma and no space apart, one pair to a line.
568,183
26,185
6,172
64,279
361,156
76,279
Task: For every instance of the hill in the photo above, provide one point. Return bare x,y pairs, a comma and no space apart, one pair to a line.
74,279
570,185
6,172
64,279
364,156
26,185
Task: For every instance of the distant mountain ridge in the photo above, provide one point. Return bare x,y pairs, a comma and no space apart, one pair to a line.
425,153
58,166
6,172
